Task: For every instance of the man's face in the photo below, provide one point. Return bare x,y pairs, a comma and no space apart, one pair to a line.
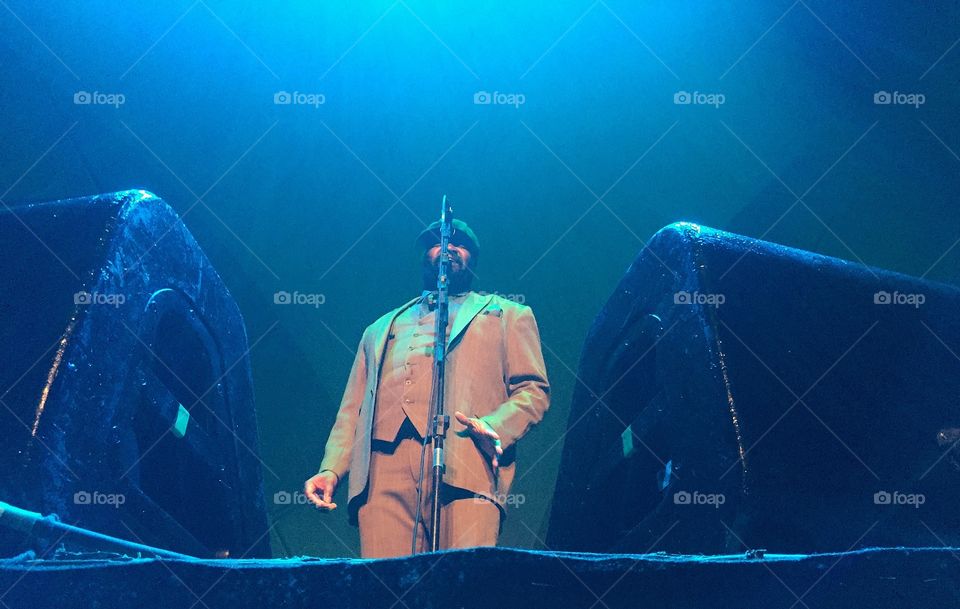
459,257
460,269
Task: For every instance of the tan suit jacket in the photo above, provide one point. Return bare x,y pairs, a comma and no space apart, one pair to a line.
495,371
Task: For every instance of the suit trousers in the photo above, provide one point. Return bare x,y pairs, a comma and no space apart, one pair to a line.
388,514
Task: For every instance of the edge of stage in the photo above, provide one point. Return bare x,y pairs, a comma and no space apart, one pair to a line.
495,577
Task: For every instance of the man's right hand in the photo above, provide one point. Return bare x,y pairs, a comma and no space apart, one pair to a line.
319,489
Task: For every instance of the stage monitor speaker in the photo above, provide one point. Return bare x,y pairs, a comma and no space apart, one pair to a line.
735,394
125,386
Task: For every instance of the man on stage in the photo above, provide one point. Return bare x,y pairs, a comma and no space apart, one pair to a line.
496,385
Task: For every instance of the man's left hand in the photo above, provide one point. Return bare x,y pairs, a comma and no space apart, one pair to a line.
484,436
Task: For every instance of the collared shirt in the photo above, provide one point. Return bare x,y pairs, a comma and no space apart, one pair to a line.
406,378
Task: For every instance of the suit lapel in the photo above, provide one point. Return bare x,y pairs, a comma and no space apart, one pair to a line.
380,337
472,305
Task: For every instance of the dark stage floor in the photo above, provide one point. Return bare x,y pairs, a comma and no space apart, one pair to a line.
495,578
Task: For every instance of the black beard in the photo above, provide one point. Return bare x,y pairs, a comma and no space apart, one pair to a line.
459,279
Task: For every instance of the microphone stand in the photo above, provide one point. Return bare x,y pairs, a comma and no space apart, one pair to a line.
438,420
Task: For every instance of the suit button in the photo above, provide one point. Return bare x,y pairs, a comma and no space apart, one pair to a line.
407,382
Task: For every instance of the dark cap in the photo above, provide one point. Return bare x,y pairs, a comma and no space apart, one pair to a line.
462,235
